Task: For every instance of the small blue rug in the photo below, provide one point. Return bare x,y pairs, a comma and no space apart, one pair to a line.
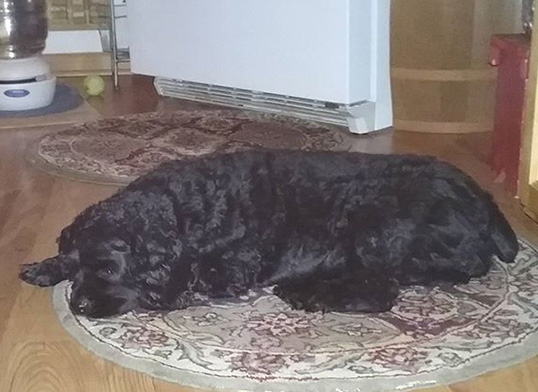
65,98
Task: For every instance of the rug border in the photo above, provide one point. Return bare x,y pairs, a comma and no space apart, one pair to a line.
42,165
499,359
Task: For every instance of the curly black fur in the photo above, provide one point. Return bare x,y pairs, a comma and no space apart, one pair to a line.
333,231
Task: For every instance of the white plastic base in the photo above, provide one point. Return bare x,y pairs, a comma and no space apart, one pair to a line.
362,117
27,96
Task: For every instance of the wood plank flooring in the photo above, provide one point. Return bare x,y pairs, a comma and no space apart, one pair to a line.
37,355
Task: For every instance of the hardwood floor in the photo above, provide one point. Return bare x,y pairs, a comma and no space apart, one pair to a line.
36,354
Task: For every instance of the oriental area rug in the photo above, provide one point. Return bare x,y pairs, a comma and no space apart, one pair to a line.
117,150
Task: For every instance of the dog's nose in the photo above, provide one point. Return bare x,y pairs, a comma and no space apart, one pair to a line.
84,305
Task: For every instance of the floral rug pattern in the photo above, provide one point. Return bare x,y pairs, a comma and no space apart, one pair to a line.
432,336
117,150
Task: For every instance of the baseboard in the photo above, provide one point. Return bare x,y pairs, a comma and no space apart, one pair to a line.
82,64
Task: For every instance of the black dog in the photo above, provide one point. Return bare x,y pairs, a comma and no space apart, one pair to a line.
332,231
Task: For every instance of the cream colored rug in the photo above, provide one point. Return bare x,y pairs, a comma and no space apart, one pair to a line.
433,336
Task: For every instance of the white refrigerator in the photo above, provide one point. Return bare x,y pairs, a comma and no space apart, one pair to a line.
327,60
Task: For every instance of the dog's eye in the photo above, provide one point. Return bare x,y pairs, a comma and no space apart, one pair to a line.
106,272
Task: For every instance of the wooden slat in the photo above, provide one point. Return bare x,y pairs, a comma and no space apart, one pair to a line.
444,75
82,64
442,127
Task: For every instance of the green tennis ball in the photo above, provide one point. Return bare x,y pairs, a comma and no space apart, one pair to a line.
94,85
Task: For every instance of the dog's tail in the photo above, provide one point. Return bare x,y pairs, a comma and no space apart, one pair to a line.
503,237
500,238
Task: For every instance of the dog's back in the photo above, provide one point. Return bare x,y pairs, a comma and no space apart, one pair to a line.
415,215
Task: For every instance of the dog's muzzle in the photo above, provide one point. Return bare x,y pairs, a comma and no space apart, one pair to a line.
82,306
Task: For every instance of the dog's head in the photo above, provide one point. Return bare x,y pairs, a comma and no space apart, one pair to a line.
128,249
103,286
116,275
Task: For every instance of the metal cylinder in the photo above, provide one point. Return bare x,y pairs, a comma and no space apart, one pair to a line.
23,28
528,8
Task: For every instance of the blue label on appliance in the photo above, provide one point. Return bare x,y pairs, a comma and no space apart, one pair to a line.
16,93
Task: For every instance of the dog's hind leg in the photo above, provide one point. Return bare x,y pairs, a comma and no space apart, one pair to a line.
446,254
362,291
50,271
438,272
434,260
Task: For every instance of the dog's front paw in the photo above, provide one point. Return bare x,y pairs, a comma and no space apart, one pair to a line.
39,274
300,301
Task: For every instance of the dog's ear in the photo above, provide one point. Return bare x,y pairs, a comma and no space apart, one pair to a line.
50,271
165,271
